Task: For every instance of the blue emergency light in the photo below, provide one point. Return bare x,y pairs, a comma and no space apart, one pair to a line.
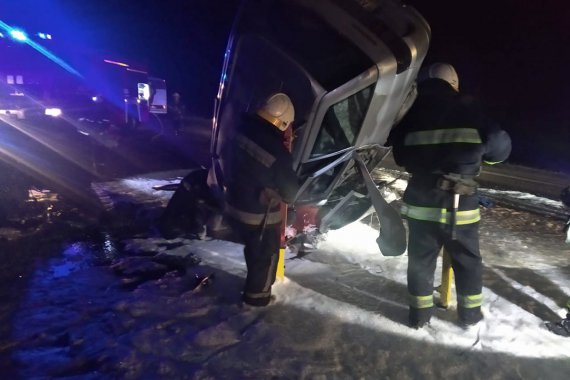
18,35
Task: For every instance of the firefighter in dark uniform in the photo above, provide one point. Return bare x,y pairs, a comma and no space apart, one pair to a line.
176,113
258,171
442,142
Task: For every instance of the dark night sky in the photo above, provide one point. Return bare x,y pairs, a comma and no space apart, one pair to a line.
504,48
512,54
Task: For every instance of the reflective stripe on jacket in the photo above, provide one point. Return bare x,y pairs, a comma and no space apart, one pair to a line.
253,219
443,136
440,215
447,132
254,158
254,150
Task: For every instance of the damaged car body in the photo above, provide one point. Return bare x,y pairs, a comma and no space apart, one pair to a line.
350,68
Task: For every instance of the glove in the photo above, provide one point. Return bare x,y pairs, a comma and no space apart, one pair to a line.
269,197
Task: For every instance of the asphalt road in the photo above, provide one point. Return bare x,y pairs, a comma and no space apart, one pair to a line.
509,177
514,177
73,160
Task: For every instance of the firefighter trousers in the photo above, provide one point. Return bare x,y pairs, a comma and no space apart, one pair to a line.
425,242
261,254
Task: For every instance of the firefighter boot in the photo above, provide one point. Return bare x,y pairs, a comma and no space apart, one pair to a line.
418,318
469,316
257,302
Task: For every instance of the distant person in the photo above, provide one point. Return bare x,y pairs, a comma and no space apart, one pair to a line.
258,176
176,112
442,142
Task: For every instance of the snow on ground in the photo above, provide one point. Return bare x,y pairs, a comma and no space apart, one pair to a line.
340,313
141,189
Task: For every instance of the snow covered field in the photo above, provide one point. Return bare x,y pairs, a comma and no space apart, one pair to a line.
340,313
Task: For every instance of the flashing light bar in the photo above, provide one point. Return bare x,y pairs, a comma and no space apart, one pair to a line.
22,37
18,35
44,36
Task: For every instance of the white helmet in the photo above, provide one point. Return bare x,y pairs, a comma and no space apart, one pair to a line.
443,71
278,110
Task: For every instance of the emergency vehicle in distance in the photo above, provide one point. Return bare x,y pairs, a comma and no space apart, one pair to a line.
45,82
350,67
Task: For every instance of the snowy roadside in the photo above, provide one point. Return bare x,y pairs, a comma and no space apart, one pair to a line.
340,312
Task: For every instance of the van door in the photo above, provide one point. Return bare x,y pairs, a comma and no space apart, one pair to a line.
158,96
248,81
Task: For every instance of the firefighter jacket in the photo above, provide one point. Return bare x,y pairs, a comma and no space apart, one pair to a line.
445,135
256,158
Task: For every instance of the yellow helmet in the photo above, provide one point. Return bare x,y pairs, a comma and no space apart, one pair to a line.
278,110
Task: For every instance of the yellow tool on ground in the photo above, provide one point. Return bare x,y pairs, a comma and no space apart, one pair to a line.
446,281
280,272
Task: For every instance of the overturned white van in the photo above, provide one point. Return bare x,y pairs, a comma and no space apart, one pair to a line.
350,68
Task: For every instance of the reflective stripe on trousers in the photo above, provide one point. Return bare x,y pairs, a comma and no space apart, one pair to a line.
421,302
471,301
440,215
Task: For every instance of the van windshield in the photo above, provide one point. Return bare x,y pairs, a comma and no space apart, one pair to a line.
342,123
